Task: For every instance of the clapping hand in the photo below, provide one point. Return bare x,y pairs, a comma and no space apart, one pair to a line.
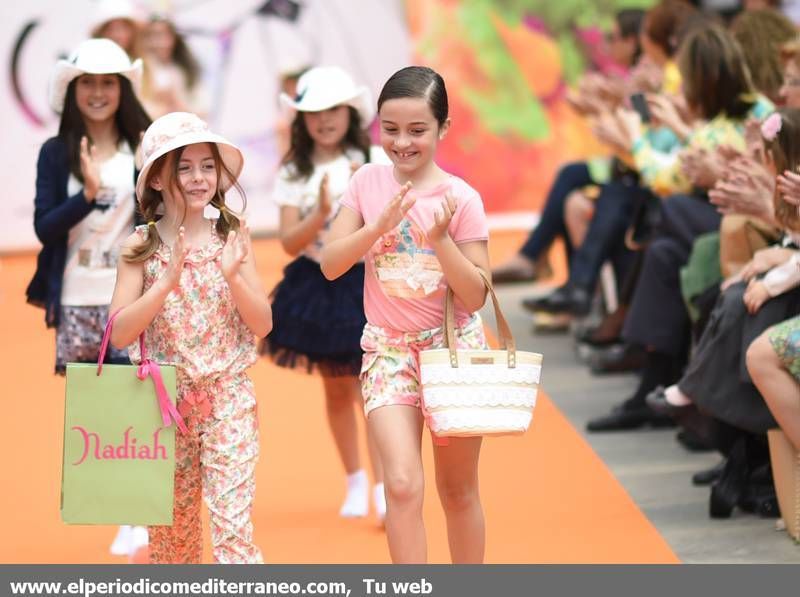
746,189
702,167
618,129
789,187
235,251
395,210
665,112
172,273
594,95
646,76
89,170
441,219
324,204
754,140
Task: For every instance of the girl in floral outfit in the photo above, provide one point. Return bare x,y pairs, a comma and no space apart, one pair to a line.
415,244
190,285
773,359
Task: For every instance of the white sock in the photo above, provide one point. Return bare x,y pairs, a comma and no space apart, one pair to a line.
379,499
356,502
675,397
121,545
139,538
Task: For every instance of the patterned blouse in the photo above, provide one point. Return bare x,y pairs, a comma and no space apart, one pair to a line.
662,171
199,328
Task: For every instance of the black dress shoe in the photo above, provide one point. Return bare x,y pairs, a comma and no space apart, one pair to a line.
728,488
555,302
693,442
581,302
623,418
759,496
565,299
657,401
708,476
617,358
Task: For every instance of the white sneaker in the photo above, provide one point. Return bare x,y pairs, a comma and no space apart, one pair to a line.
356,502
379,500
139,539
121,546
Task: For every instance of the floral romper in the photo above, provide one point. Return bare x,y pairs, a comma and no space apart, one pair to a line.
200,331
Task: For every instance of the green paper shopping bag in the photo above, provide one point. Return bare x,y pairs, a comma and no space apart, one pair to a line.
119,444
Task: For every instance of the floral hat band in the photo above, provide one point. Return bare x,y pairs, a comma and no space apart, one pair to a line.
179,129
166,134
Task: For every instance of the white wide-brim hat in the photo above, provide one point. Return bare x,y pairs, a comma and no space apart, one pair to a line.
325,87
178,129
95,57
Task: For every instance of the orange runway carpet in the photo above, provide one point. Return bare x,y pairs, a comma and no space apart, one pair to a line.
548,498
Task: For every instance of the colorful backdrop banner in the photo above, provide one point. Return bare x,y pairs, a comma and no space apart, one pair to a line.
507,64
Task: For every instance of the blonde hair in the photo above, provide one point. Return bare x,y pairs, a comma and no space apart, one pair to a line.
152,199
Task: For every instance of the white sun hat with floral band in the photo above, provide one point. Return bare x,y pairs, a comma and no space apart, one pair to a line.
324,87
95,57
178,129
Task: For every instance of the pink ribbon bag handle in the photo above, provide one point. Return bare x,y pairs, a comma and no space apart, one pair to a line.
147,368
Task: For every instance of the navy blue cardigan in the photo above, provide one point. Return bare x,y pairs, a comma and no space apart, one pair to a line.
54,215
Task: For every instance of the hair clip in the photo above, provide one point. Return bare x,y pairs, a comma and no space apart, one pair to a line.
771,126
151,223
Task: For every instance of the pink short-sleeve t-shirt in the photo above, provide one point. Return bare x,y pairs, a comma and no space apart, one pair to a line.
404,286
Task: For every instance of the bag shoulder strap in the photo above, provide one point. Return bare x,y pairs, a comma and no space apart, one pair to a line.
503,329
107,338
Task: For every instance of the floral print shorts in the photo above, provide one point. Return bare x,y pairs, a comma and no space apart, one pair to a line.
785,340
390,366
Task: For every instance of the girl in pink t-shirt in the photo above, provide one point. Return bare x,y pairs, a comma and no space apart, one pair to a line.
414,243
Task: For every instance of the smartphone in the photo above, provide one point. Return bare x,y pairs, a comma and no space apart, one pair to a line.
639,103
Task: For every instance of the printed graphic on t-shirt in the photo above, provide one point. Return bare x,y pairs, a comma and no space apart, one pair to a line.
104,227
405,263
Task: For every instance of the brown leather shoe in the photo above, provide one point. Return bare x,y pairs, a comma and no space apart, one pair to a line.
609,330
517,269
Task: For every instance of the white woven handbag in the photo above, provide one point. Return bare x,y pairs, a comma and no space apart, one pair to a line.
478,392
